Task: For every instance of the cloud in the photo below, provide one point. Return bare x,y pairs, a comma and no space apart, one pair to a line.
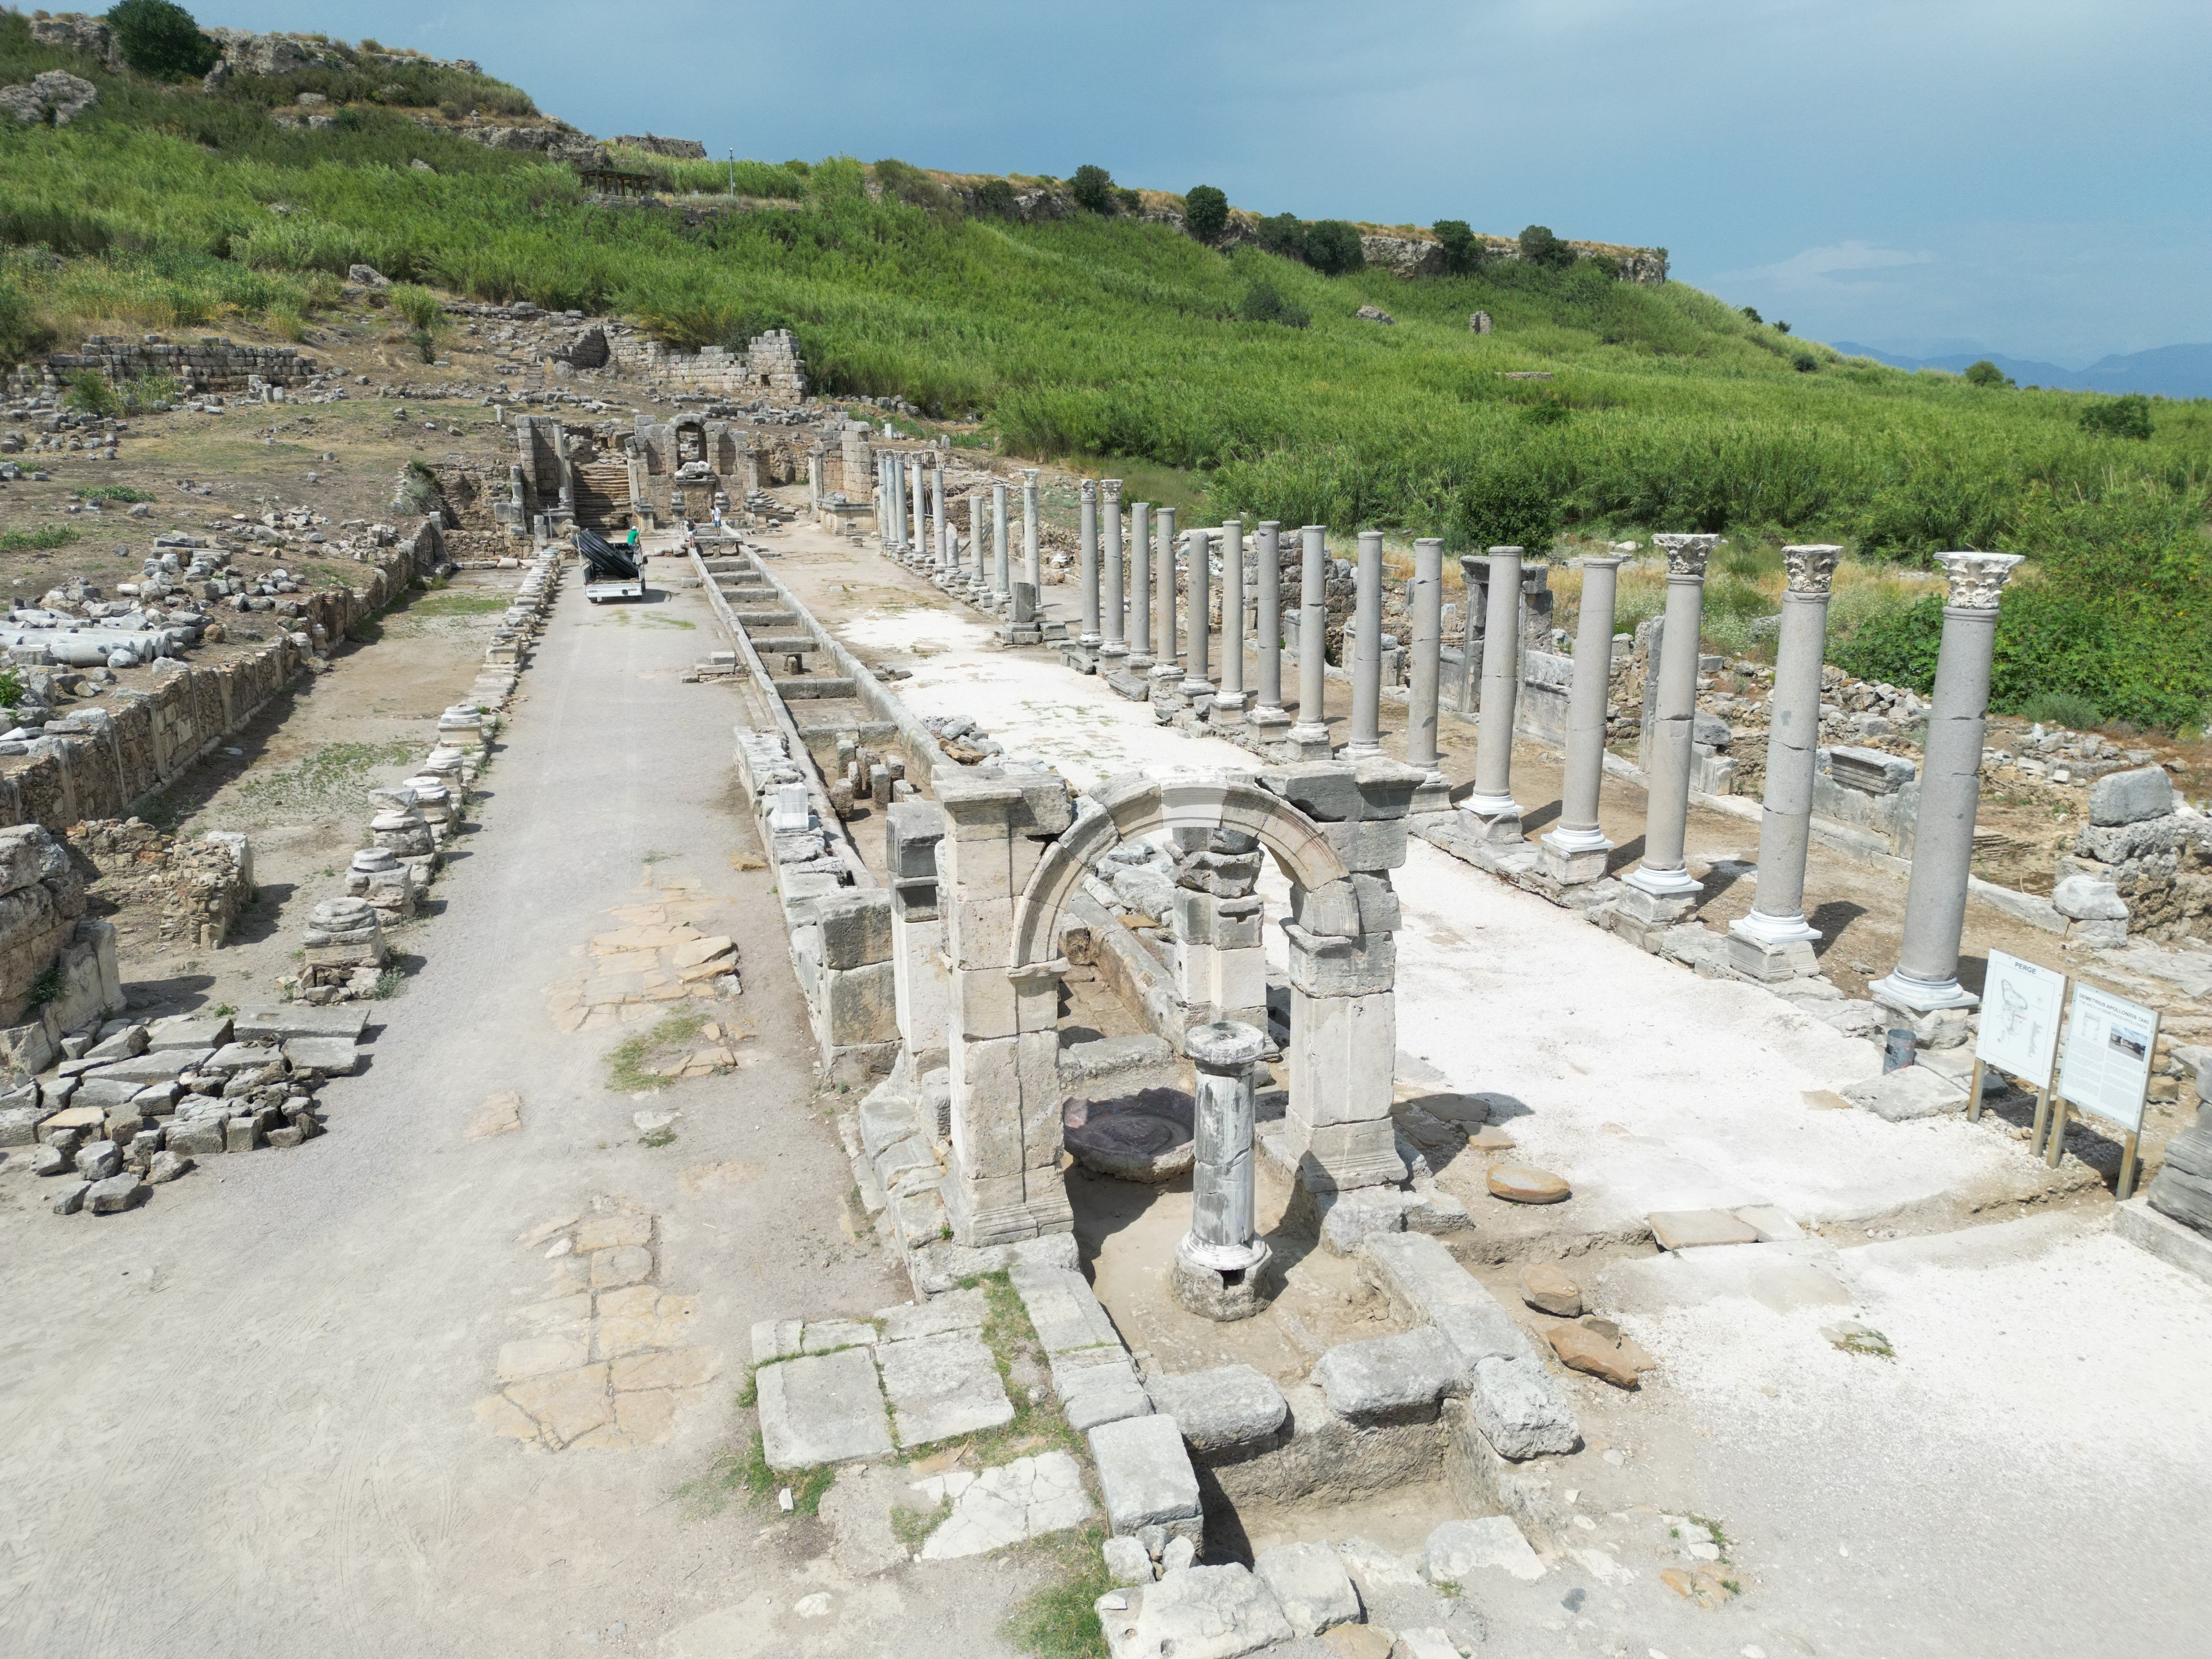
1828,270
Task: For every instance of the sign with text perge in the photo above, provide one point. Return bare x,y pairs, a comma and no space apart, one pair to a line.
2021,1006
2109,1043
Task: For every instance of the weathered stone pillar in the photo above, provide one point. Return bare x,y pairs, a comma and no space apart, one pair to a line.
1491,804
1924,985
1217,1263
1032,554
886,512
1198,625
1310,732
1267,714
1089,640
1141,587
1343,974
1220,959
1659,888
918,541
1425,605
1230,700
1002,580
1002,1045
1574,852
979,586
943,540
913,829
814,481
1112,642
1367,649
1774,942
1166,676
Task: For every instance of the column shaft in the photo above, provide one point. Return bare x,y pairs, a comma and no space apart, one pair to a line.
1577,831
1001,576
1793,742
1312,726
1032,558
1501,689
1199,623
1089,492
1663,870
1111,615
1268,543
1426,606
943,541
1166,677
1230,699
1367,648
1140,585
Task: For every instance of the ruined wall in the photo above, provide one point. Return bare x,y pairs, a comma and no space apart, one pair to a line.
146,738
770,366
207,365
199,888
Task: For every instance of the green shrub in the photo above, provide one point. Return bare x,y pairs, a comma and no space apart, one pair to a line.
1751,312
2066,708
90,392
1130,200
1331,247
11,689
910,184
1544,251
995,196
420,307
1506,506
2119,418
1205,212
1093,189
1462,252
1986,373
1804,362
161,40
21,334
1283,234
1781,327
1264,303
1897,647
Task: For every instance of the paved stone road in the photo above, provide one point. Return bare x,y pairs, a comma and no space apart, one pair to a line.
245,1420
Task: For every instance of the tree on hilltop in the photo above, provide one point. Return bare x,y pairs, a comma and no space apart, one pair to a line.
1462,251
1093,188
1544,251
1333,247
1986,372
160,39
1205,212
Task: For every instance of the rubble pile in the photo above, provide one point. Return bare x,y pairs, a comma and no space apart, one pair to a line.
198,888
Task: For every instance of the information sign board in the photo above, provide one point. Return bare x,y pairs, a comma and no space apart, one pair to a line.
2022,1007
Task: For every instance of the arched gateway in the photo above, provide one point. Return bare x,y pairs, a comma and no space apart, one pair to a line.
1013,850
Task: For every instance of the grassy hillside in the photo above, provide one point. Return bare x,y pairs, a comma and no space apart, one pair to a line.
168,208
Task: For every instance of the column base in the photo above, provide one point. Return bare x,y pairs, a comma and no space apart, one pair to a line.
1432,794
1268,719
1115,652
1310,740
1190,690
977,1220
1498,816
1573,859
1768,962
1935,1014
1359,748
1221,1293
1341,1157
1677,883
1228,707
1079,657
1138,662
1644,917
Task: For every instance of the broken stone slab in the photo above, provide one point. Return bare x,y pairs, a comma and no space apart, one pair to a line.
1146,1477
1458,1549
2121,798
943,1386
189,1032
827,1335
1770,1222
288,1020
1010,1504
1587,1348
1389,1379
1516,1405
243,1056
1900,1096
331,1056
1127,1561
117,1193
201,1137
1311,1585
1201,1612
1688,1230
1549,1288
1524,1183
823,1408
1062,1309
777,1339
70,1198
98,1161
1229,1409
1392,1591
167,1166
1097,1385
125,1043
19,1126
956,1311
156,1065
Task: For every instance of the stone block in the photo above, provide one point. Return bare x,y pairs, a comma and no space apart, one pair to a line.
2171,1241
2130,797
333,1056
2087,898
856,929
942,1386
1326,792
1393,1595
297,1019
70,1198
1146,1477
912,829
1373,845
1343,1057
1311,1585
1201,1613
1063,1310
199,1138
1899,1096
1228,1410
982,1004
1127,1561
1097,1385
1516,1405
860,1005
820,1409
1685,1229
979,934
1387,1379
117,1193
1322,966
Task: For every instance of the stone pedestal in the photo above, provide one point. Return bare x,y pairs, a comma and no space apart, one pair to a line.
1663,872
1309,735
1575,852
1770,962
1926,979
1642,916
1217,1263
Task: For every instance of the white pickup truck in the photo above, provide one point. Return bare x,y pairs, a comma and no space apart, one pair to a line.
610,572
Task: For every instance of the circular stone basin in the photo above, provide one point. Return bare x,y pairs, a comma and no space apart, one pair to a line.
1524,1183
1131,1145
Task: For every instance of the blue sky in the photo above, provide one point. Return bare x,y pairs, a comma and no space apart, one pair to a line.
1923,176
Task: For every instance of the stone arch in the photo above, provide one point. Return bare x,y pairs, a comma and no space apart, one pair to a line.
1137,803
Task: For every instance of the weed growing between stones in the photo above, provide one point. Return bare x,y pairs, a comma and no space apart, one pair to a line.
745,1473
912,1527
628,1065
1059,1618
1037,1426
337,773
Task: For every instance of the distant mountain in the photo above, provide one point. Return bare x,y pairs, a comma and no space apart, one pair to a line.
2178,371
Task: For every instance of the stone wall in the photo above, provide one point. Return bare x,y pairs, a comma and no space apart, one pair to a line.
57,969
148,738
207,365
1414,253
199,887
768,367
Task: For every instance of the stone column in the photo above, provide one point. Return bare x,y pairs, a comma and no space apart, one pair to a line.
1198,625
942,541
1367,649
920,539
1425,605
1491,804
1659,888
1310,732
1924,985
1088,604
904,545
1002,580
913,829
1141,587
1267,714
886,514
1218,1264
1112,642
1773,942
1166,676
1002,1047
1574,852
814,481
1032,554
979,589
1230,701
